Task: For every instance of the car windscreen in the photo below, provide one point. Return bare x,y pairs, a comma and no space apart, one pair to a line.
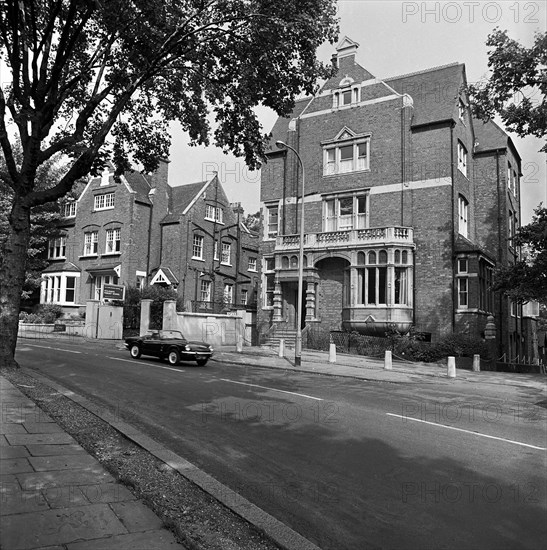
170,334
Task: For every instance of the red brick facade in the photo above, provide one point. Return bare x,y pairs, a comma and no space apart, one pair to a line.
138,230
406,207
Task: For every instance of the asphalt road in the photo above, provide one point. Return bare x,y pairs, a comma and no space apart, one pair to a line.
347,463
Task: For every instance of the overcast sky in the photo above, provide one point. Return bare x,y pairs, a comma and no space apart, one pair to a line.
397,38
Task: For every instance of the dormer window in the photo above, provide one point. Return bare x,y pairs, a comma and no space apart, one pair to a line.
347,94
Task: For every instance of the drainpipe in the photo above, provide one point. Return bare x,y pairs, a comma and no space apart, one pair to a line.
453,236
150,241
500,294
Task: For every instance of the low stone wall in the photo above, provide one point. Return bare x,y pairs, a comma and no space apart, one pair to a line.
217,330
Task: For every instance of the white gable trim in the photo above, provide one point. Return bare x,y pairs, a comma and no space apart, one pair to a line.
160,277
198,195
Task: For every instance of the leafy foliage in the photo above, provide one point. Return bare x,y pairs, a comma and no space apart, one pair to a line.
517,87
527,279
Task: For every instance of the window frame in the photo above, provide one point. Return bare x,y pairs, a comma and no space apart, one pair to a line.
226,252
228,294
252,264
463,292
57,248
68,209
463,216
197,244
336,216
91,245
269,234
115,241
205,290
103,201
55,288
462,158
333,167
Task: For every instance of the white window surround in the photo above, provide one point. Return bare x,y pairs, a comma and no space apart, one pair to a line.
91,243
59,288
68,209
462,158
344,212
104,201
272,221
244,296
197,247
463,213
268,282
252,264
205,291
346,156
214,214
226,253
57,248
113,242
463,292
228,293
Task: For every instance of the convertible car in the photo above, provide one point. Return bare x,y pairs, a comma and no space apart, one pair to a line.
170,345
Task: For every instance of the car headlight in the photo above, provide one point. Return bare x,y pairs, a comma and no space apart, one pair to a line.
210,348
187,347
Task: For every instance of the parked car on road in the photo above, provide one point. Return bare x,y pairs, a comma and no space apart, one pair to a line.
170,345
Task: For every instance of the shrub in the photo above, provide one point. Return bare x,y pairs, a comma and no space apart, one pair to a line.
30,317
50,312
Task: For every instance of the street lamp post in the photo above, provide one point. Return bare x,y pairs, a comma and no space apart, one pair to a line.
298,345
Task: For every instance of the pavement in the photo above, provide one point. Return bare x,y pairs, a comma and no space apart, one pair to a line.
54,495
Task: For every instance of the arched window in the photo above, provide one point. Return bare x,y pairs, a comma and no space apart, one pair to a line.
382,257
405,257
371,257
285,262
361,258
294,262
397,256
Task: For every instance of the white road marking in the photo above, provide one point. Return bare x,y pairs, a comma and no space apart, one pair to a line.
147,364
271,389
469,432
57,349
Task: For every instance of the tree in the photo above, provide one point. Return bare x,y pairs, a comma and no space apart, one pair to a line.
527,279
253,221
517,87
101,81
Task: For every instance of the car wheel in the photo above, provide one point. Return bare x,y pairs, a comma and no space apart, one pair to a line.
201,362
173,357
135,351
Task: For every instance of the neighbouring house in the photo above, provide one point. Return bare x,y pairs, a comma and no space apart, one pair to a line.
137,230
410,203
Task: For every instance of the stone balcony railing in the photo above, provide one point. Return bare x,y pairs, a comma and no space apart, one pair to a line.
348,239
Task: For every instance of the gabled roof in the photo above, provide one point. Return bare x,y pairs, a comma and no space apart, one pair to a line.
434,92
165,275
491,137
138,183
181,198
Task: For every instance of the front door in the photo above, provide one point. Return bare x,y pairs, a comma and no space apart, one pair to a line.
290,294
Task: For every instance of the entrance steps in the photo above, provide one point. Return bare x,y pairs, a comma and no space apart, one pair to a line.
288,335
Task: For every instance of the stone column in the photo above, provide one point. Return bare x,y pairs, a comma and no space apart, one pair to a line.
169,320
145,316
277,303
310,301
491,341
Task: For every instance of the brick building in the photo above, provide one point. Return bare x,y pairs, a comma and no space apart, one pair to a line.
409,205
139,230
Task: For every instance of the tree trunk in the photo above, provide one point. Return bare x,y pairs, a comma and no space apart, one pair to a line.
12,277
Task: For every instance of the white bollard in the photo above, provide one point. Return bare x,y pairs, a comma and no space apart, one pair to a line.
388,362
281,348
451,367
239,344
332,353
476,363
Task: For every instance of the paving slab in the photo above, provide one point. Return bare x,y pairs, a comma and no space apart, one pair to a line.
62,462
13,452
15,466
152,540
64,478
60,526
20,502
136,517
49,450
12,428
64,497
40,439
107,492
42,427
